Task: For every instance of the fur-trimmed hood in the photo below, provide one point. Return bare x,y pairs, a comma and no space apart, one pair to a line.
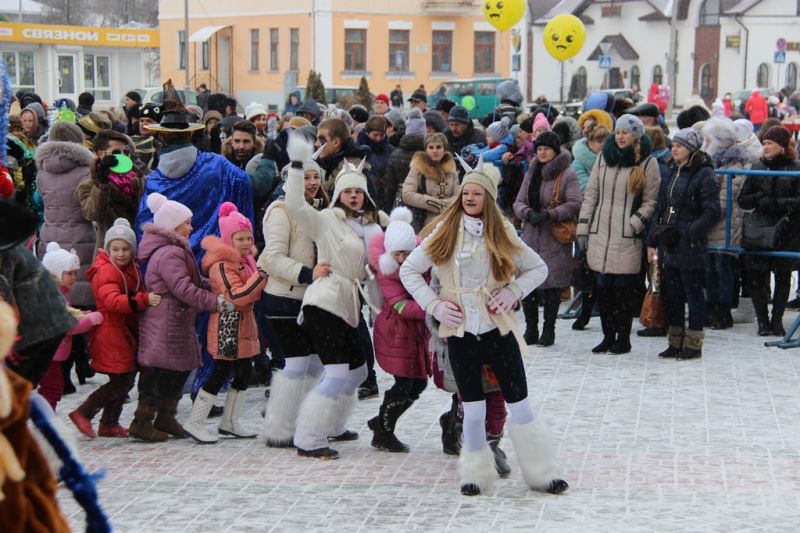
382,261
735,155
59,157
155,237
430,168
554,167
216,251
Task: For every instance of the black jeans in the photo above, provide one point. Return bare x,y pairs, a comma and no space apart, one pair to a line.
158,384
241,369
407,387
501,352
679,287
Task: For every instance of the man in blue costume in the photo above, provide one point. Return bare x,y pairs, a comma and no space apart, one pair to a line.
201,181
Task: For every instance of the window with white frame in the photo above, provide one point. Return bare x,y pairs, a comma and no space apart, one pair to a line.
274,37
20,67
97,76
254,38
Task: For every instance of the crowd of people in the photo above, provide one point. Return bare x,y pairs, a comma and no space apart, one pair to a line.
204,251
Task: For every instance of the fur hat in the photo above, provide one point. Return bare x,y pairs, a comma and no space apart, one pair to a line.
231,221
415,125
599,116
57,260
540,122
487,176
298,122
254,109
509,90
499,130
778,135
65,132
399,237
743,129
434,120
120,231
632,124
689,138
167,214
568,129
720,134
359,113
550,139
688,117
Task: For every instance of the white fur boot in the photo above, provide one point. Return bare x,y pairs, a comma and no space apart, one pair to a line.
536,456
283,406
315,421
345,406
477,471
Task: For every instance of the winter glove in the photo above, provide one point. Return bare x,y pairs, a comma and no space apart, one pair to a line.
583,242
95,317
223,305
537,218
448,314
298,149
104,167
502,300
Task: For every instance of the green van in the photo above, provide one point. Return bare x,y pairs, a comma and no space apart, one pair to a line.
481,90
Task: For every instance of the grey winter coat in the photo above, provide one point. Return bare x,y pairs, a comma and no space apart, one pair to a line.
556,255
735,157
61,167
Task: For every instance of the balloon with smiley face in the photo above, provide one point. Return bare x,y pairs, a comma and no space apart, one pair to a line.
564,36
503,14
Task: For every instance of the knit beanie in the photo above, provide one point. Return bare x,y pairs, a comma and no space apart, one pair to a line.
57,260
382,98
395,117
37,108
460,114
689,138
509,90
415,125
254,109
350,179
631,123
540,122
120,231
231,221
400,236
434,120
167,214
488,178
499,130
778,135
688,117
526,125
743,129
65,132
550,139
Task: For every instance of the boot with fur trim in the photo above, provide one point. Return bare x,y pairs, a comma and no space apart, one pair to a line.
477,471
536,456
315,421
675,339
346,404
283,406
692,345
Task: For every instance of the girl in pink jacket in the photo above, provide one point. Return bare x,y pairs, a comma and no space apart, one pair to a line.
400,334
64,266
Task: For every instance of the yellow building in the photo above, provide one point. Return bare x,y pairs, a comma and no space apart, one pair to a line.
258,50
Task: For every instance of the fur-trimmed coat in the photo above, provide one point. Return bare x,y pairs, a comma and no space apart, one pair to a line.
734,157
232,335
167,337
61,167
230,154
441,184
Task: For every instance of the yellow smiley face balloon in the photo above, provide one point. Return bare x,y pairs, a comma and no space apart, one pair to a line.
564,36
503,14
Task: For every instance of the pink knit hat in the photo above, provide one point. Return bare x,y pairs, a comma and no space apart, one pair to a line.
231,221
167,214
540,121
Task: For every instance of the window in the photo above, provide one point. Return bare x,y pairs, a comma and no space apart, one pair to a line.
487,88
636,77
182,50
398,50
615,78
709,13
791,75
762,75
484,51
706,83
204,55
658,75
20,70
355,49
96,76
442,51
274,36
254,37
294,49
577,88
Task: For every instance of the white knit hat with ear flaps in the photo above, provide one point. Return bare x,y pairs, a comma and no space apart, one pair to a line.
350,177
57,260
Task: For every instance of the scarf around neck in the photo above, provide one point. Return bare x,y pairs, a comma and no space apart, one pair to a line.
473,225
614,156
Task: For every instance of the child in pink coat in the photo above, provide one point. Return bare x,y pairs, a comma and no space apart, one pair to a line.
64,266
400,334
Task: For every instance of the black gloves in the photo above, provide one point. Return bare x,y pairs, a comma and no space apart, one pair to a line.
104,167
537,218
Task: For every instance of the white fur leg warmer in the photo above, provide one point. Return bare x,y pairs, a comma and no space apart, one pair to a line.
536,454
477,468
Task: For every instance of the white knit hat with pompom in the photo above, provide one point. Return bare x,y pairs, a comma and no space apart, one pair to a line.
57,260
167,214
399,237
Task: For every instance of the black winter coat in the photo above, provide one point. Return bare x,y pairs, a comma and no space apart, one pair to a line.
398,166
456,144
774,196
688,200
378,160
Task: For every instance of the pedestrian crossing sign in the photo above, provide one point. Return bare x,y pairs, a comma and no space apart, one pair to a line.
605,61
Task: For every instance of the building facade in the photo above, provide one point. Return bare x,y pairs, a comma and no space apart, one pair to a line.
258,50
722,46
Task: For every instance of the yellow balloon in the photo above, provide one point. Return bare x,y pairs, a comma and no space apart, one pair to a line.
503,14
564,36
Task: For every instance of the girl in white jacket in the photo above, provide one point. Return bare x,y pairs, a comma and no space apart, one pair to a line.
331,306
477,253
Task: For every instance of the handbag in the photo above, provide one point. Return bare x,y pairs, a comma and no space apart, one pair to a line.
564,231
764,232
652,313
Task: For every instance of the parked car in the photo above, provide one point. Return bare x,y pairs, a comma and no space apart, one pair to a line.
156,95
483,90
333,93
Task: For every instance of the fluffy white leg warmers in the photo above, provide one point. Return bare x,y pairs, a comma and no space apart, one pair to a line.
283,406
316,420
537,456
476,469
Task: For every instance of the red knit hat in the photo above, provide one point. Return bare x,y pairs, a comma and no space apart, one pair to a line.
231,221
383,98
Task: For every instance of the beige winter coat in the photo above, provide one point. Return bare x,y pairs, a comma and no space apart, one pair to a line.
287,250
609,219
441,184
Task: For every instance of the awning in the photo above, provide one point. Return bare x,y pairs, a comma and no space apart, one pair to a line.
204,33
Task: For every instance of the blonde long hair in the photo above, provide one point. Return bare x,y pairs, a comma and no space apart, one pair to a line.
637,178
442,244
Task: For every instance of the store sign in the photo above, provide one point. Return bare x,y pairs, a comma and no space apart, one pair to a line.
732,41
793,46
53,34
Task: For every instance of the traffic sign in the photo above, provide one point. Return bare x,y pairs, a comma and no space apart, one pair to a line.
605,61
780,57
605,46
781,44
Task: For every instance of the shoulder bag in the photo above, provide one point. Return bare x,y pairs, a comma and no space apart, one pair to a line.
565,231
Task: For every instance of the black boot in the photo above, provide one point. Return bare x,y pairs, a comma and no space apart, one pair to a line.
552,301
451,424
66,371
500,462
383,437
530,308
607,302
622,323
675,336
711,315
587,302
759,298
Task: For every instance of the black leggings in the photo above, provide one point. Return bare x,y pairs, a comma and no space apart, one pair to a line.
158,384
241,369
501,352
334,340
407,387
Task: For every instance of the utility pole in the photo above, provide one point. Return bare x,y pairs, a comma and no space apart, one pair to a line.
186,49
672,63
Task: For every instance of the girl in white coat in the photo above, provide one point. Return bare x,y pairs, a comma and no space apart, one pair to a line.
332,303
477,253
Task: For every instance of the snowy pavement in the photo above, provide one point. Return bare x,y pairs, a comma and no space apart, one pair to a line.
646,445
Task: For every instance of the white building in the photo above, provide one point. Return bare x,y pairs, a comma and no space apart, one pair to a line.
723,46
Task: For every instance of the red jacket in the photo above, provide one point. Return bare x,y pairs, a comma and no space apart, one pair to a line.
120,295
756,108
400,335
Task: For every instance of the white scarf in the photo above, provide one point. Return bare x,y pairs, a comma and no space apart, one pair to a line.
473,225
